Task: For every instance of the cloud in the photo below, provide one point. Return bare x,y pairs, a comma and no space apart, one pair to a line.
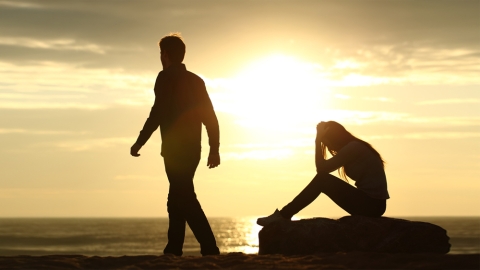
301,142
37,132
398,65
18,4
370,117
92,144
54,44
60,86
26,96
450,101
367,72
136,177
362,117
259,154
378,43
381,99
444,120
49,105
442,135
426,136
45,193
285,150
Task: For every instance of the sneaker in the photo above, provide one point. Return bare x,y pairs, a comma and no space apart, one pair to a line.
276,216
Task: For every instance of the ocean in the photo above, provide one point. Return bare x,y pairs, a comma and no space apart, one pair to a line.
147,236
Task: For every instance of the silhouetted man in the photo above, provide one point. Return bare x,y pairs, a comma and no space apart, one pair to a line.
181,106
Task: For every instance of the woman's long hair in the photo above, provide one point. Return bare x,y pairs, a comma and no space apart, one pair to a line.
337,137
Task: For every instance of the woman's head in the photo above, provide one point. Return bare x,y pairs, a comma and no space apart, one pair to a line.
336,137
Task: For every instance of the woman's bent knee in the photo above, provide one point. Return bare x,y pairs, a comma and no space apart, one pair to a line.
320,177
326,180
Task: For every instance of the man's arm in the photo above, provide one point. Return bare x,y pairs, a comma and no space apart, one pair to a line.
209,119
151,124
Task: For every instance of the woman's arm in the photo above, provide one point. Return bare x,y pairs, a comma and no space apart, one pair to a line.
349,152
319,159
319,156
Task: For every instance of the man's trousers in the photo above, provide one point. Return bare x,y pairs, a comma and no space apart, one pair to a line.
183,207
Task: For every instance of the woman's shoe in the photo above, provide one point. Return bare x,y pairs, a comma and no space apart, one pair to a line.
276,216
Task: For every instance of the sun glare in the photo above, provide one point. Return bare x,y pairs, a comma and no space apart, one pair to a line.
277,93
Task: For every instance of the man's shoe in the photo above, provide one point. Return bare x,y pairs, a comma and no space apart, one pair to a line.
210,252
275,217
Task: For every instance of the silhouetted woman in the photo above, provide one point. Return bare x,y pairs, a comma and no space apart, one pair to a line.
354,158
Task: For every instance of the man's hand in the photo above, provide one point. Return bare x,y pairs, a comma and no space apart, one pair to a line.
321,130
213,160
134,150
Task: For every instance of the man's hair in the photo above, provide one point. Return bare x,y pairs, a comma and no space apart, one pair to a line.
173,45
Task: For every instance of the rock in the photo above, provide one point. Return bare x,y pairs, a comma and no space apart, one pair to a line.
352,233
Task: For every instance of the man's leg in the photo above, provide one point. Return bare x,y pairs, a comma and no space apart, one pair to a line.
200,227
184,206
349,198
176,226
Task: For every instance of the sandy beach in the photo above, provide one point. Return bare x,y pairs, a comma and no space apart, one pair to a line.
355,260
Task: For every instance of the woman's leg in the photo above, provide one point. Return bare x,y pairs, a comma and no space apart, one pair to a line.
349,198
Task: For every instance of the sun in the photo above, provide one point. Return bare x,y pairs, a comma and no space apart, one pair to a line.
278,93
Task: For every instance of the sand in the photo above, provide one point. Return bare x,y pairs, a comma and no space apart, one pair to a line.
354,260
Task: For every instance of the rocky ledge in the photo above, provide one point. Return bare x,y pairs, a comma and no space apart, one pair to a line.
352,233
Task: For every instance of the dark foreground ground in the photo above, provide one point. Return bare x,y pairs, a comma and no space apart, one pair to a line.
355,260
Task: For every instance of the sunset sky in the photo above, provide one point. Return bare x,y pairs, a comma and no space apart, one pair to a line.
76,85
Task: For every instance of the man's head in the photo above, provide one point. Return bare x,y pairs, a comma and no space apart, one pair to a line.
172,49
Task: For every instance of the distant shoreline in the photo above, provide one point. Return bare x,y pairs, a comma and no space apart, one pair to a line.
353,260
139,236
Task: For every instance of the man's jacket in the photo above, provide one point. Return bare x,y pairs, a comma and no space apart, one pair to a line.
181,106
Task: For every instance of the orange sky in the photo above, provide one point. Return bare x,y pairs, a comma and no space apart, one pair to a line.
76,84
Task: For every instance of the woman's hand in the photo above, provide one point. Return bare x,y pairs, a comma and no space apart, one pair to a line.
321,130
